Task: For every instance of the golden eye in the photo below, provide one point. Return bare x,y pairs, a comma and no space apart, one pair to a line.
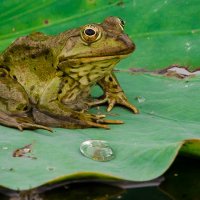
121,23
90,33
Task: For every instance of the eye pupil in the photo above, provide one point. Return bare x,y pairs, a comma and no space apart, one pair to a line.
89,32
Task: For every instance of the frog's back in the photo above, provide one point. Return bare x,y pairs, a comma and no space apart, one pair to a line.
29,53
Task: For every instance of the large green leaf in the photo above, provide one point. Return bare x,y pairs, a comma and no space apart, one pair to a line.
165,33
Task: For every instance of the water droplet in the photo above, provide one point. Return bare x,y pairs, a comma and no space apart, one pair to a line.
152,113
51,168
140,99
188,46
8,169
175,174
98,150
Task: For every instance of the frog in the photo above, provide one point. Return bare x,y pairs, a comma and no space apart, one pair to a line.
46,80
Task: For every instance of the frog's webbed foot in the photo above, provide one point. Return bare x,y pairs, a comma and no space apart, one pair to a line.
20,122
79,120
114,98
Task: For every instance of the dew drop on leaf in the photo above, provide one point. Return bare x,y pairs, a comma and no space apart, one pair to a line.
140,99
98,150
51,168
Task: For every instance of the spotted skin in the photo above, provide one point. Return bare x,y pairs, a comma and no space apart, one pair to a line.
45,81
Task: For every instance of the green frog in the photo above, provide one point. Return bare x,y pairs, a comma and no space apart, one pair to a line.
45,80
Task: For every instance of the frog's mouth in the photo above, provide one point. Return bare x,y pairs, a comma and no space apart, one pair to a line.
91,59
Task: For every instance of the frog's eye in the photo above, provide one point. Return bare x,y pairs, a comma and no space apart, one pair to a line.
121,23
90,33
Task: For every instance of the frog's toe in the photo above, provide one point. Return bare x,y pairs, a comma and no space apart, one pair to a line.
130,107
25,125
114,99
97,102
20,123
102,123
120,99
110,121
111,104
97,125
99,121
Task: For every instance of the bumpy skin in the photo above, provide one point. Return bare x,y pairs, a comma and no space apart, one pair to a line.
45,80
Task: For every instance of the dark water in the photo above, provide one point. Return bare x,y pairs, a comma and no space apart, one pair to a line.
180,182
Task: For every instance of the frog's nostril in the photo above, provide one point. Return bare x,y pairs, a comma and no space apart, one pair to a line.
132,46
128,45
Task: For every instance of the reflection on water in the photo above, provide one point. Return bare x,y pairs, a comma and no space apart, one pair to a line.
182,182
78,191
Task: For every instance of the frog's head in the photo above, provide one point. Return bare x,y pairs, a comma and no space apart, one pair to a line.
97,43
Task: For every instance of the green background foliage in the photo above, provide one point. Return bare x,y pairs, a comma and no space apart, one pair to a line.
166,32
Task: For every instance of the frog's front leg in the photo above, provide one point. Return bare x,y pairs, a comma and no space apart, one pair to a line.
61,115
113,94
